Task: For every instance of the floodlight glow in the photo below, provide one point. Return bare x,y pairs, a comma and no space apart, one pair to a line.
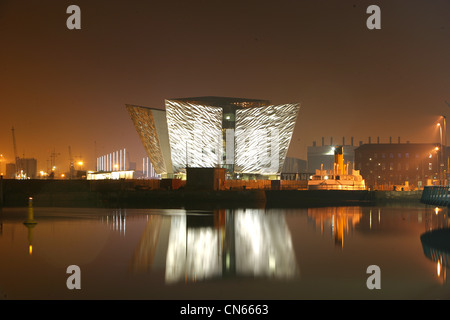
195,134
263,136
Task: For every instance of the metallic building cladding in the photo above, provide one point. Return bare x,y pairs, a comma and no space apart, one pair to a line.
262,138
144,123
195,134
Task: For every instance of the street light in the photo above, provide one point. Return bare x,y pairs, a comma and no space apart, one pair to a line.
443,142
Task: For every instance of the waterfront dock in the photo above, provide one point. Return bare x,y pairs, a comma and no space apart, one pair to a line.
138,194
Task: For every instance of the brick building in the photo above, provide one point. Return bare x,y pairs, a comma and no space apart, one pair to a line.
386,166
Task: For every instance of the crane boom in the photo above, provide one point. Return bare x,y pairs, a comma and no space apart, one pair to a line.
15,149
14,143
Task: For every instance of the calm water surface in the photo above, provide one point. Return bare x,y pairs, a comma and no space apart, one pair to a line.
315,253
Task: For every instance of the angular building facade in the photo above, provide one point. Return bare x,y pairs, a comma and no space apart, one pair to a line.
247,137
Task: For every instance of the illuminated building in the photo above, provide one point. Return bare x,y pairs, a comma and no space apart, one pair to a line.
113,166
399,165
26,168
247,137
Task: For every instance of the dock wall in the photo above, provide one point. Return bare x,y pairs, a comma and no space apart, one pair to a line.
142,194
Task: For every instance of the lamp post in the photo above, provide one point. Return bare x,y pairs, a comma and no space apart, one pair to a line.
440,164
444,151
444,169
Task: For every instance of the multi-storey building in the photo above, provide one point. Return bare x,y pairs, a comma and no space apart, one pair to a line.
397,165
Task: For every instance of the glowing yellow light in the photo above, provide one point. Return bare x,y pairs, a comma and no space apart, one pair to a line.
438,124
30,249
438,268
62,175
80,163
436,210
437,148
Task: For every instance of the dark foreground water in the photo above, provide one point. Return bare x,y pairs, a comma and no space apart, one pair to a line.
316,253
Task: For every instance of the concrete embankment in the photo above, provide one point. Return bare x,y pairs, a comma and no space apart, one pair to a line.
135,194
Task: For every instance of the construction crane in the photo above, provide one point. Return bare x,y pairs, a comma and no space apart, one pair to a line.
53,156
15,149
70,164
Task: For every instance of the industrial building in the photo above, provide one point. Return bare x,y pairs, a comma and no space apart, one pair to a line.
407,166
24,168
247,137
321,157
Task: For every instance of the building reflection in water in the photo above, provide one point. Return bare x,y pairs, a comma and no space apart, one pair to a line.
338,220
116,220
224,243
436,241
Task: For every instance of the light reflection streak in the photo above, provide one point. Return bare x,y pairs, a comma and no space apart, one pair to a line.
435,241
341,220
117,220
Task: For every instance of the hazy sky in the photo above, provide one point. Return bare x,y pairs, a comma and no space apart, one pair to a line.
61,87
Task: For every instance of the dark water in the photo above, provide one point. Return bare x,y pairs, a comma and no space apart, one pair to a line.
316,253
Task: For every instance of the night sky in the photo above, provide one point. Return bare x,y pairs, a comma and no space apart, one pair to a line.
61,87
